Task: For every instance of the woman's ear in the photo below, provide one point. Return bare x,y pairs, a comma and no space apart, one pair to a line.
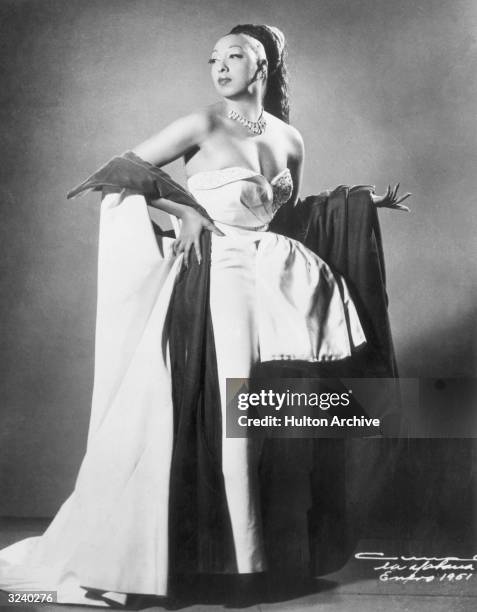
262,64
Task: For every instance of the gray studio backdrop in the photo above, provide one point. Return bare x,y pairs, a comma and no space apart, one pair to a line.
382,91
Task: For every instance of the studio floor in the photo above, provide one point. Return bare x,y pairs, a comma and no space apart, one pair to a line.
357,587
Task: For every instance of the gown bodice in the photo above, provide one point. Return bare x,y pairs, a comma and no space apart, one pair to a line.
241,197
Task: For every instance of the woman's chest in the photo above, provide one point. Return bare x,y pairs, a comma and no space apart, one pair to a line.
267,155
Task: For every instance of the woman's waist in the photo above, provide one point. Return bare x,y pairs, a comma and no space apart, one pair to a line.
236,230
242,215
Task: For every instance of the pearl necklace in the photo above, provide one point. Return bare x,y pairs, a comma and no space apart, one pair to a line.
256,127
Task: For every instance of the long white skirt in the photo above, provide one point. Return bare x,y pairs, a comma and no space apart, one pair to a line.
270,298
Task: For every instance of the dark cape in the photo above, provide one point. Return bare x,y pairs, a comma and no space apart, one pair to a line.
341,227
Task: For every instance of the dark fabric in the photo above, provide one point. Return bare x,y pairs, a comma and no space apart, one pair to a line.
128,171
200,535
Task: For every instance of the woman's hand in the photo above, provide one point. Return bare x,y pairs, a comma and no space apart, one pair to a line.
390,199
191,228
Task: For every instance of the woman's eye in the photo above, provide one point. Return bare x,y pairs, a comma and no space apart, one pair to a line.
212,60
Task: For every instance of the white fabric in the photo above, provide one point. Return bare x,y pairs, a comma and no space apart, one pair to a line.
240,196
111,533
270,298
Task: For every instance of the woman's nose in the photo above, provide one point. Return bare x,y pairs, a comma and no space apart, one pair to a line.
223,67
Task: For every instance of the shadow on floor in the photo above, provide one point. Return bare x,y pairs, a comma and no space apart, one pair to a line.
242,591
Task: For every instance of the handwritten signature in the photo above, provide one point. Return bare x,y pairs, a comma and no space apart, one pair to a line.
421,569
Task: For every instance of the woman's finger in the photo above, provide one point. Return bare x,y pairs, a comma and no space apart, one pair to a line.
212,228
187,248
395,190
404,197
197,250
180,247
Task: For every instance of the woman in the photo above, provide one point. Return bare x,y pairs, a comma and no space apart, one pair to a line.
176,495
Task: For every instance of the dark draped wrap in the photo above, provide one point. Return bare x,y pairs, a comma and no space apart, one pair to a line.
341,227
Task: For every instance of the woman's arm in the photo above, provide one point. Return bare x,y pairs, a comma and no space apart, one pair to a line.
166,146
174,140
295,163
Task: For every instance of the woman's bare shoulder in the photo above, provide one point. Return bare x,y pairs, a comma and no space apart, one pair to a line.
173,140
193,125
205,120
290,134
297,145
196,123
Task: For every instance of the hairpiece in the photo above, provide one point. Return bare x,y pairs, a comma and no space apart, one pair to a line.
279,38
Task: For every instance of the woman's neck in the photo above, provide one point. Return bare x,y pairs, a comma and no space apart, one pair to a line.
250,108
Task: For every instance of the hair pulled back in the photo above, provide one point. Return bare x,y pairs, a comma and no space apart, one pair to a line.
276,94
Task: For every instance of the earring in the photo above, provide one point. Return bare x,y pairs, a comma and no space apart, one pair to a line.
263,68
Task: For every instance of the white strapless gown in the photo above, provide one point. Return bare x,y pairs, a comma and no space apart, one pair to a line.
270,298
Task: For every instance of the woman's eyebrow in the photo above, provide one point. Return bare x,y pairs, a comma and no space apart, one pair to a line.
215,50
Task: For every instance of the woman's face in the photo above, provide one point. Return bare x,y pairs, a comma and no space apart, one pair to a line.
235,64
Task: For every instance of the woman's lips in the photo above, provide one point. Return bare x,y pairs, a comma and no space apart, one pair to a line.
224,81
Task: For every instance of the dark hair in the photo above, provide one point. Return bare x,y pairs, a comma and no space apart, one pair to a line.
276,95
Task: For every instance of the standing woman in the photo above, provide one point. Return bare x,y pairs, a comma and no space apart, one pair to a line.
270,298
162,491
